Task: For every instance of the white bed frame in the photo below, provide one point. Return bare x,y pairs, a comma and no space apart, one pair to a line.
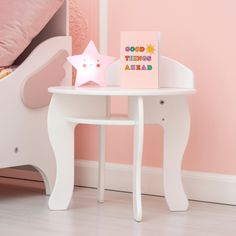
23,120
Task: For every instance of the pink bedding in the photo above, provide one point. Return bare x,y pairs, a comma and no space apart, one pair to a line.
5,71
21,21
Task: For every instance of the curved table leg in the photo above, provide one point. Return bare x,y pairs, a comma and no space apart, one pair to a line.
176,125
63,146
61,135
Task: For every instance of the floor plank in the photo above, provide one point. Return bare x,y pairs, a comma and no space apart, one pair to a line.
24,211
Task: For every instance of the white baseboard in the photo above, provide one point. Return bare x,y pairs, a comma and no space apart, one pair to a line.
200,186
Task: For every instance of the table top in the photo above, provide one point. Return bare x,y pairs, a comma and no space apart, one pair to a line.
118,91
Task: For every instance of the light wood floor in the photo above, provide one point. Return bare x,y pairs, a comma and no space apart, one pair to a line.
24,211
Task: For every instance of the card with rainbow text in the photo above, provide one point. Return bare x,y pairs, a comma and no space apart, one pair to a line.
139,59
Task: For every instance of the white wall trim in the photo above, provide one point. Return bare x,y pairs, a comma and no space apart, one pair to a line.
200,186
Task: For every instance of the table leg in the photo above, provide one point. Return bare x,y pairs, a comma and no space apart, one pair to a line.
136,110
61,135
176,125
101,164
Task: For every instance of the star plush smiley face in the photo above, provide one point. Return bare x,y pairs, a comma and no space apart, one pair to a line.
89,63
90,66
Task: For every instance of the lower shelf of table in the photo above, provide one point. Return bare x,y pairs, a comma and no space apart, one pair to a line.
111,120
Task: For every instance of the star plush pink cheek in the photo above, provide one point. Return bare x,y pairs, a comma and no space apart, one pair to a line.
90,65
98,63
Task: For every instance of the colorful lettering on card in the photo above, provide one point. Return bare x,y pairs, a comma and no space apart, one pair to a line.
139,59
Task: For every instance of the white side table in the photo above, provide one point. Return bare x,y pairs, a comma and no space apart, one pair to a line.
166,106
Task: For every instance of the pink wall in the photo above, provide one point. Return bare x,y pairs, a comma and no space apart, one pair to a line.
201,34
83,27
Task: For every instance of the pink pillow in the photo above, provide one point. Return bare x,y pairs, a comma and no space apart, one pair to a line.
21,21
